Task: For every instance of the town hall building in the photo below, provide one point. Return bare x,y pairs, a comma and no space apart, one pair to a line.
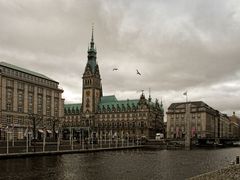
106,116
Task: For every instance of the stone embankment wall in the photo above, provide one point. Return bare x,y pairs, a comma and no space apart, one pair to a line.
232,172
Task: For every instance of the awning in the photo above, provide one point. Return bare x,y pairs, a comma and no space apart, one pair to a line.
40,130
49,131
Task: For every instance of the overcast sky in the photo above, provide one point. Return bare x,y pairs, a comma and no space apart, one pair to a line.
176,45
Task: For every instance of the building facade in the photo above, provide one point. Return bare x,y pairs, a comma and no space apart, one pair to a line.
205,122
234,125
106,116
29,102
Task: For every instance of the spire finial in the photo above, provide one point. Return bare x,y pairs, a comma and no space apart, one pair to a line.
92,40
149,98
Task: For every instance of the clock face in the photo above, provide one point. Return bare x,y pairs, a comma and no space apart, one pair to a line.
88,93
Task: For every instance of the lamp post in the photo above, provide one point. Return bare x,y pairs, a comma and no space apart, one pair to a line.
7,139
27,140
187,123
34,133
13,132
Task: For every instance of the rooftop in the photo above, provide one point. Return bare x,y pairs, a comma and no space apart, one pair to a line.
24,70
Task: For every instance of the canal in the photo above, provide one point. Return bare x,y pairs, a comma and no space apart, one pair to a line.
125,164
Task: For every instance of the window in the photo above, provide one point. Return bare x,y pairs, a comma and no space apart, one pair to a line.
20,120
40,90
9,83
48,92
30,88
9,119
56,94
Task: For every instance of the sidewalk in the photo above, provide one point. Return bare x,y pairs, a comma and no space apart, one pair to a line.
48,153
232,172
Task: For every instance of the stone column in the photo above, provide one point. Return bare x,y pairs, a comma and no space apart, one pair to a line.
44,101
59,105
3,94
35,100
25,98
52,103
1,87
15,97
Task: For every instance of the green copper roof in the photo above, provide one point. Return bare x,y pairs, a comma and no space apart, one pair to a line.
24,70
72,108
105,99
112,102
93,65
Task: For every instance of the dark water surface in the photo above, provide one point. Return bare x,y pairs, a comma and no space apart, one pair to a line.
127,164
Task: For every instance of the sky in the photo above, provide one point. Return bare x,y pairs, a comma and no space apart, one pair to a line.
177,46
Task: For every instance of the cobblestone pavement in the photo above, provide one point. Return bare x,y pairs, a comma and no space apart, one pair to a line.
232,172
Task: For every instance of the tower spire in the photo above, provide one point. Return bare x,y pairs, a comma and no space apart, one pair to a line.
92,38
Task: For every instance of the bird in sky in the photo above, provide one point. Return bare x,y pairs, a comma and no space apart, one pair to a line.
115,69
138,72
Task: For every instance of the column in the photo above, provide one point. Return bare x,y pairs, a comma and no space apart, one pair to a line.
60,104
25,98
1,87
52,103
3,94
44,101
15,97
35,100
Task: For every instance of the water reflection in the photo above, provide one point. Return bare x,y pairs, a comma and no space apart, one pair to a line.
128,164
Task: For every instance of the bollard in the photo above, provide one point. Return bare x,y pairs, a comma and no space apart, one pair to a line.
237,159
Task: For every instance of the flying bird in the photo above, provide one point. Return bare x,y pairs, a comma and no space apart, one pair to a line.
115,69
138,72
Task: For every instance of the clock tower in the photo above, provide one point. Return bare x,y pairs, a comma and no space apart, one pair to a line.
92,86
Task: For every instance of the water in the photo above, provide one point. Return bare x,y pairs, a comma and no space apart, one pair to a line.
127,164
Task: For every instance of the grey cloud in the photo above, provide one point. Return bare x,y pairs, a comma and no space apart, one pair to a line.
177,45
